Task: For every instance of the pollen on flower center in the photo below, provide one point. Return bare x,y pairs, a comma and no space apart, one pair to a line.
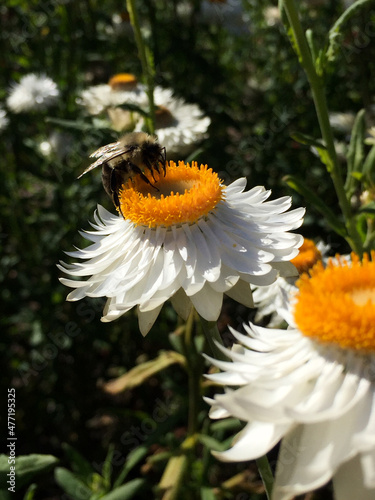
307,257
185,194
337,304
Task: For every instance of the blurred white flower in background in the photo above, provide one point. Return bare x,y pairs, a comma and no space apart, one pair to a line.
342,122
179,126
4,120
32,93
122,88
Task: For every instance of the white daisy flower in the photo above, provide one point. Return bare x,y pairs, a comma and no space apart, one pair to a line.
191,241
32,93
269,299
311,386
179,126
122,88
4,120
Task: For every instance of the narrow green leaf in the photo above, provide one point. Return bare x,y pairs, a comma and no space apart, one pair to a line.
71,484
368,168
356,151
136,376
107,466
29,495
26,467
126,491
79,464
133,108
310,40
311,198
211,443
134,457
227,424
336,33
207,493
76,125
368,209
307,140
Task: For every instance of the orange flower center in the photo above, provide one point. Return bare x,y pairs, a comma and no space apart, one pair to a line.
307,257
183,195
123,81
337,304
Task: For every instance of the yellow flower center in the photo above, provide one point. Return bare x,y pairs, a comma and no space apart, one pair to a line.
307,257
123,81
185,194
337,304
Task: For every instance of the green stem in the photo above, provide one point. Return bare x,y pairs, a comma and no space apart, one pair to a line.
147,67
212,334
266,474
194,374
319,98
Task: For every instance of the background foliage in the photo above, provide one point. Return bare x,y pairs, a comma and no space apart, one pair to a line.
59,355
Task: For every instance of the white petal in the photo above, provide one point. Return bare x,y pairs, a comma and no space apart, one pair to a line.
207,303
262,436
147,319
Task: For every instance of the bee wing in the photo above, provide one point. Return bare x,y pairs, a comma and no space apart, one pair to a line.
103,154
105,149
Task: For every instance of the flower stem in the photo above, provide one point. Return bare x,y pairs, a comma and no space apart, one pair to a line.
194,375
212,334
319,98
266,474
146,59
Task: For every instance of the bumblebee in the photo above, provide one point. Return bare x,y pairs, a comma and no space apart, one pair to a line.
132,154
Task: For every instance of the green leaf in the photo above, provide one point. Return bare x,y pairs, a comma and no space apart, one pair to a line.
356,151
29,495
336,33
136,376
107,466
132,459
310,40
320,148
71,484
79,464
207,493
311,198
26,467
368,209
79,125
125,491
289,30
133,108
369,166
307,140
211,443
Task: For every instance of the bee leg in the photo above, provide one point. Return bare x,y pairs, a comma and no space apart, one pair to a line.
142,175
151,169
163,160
